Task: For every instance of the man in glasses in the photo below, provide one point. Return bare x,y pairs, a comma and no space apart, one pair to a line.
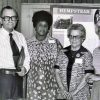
12,43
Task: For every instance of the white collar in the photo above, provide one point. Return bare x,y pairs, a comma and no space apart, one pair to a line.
5,32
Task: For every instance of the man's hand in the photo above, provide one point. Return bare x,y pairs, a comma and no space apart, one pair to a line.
22,72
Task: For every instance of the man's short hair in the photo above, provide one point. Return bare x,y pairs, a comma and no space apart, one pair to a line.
10,8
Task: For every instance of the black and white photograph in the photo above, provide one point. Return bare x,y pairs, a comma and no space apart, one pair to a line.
49,50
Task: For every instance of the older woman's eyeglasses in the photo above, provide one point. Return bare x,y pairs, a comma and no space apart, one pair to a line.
75,37
7,18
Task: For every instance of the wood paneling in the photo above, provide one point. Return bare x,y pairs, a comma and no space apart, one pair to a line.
78,1
1,3
90,1
47,1
24,1
60,1
96,1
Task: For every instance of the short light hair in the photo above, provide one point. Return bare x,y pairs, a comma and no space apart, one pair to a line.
9,8
77,27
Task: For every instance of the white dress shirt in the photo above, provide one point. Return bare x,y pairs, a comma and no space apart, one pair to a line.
6,55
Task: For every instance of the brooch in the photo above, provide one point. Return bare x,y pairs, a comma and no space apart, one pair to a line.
78,55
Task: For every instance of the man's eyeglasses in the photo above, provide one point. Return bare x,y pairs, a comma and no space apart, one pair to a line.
7,18
75,37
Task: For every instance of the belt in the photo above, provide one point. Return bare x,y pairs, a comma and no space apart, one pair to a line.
8,71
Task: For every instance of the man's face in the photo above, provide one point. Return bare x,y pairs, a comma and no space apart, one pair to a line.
9,19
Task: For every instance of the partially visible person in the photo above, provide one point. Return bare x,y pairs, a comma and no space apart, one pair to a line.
11,44
79,68
60,70
43,50
95,93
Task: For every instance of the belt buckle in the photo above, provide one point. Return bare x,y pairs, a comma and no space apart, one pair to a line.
9,72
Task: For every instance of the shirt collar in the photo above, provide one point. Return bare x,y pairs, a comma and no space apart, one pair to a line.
5,32
43,41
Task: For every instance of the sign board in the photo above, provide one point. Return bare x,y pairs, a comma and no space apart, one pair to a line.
65,15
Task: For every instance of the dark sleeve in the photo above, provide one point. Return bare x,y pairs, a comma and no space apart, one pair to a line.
56,67
89,71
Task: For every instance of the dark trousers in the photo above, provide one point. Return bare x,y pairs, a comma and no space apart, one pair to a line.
11,87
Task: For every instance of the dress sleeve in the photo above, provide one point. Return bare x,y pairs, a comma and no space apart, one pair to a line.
62,60
88,63
59,54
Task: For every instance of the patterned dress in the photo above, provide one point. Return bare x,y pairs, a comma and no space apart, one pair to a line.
61,64
41,82
80,63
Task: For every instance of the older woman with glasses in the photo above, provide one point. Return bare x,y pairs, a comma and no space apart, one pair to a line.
79,66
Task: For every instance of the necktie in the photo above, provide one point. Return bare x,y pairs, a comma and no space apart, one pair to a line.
15,50
14,47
